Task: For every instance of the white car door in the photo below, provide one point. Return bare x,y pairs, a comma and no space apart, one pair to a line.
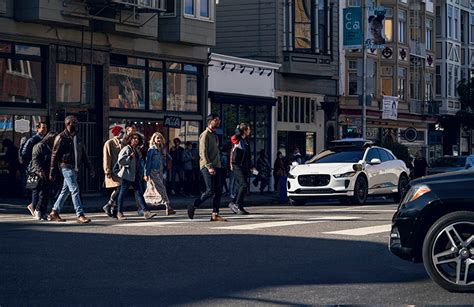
373,171
390,172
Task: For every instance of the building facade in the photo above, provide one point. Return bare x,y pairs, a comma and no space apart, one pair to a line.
108,62
402,72
454,63
303,37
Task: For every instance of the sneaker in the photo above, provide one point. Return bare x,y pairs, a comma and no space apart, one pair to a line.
44,217
149,215
82,219
121,217
108,210
242,212
215,217
31,209
191,210
170,211
37,215
233,207
54,216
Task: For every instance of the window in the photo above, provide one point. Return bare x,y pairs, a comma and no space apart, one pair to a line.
456,23
198,8
182,92
439,30
450,80
170,8
387,86
311,22
429,34
353,80
21,73
126,88
456,80
372,154
68,84
402,79
388,28
450,21
402,21
156,90
384,155
438,80
472,28
296,109
429,87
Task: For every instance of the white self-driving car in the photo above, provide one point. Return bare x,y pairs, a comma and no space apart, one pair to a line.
349,170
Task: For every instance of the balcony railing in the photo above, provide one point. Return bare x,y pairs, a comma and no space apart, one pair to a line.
424,107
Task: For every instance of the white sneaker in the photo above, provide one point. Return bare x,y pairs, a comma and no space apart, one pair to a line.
37,215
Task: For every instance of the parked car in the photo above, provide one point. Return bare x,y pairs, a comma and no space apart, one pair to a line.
434,224
450,164
350,170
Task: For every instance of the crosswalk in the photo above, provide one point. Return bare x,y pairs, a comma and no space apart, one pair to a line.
331,222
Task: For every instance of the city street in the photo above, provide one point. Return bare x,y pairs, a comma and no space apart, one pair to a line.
278,255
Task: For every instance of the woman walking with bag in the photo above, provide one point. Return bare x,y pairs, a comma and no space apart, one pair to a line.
130,173
155,193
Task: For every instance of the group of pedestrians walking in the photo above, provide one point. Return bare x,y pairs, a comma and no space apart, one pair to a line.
61,156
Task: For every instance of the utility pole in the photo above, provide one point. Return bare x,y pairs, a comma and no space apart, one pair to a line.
364,72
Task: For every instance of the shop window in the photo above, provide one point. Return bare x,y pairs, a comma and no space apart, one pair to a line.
20,81
68,84
27,50
156,90
261,129
5,47
280,109
182,92
126,88
229,121
189,131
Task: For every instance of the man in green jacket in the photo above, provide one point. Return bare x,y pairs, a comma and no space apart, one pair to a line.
211,169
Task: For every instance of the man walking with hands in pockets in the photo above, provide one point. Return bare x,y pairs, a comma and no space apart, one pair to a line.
211,169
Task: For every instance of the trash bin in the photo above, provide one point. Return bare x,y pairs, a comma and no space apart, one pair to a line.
282,197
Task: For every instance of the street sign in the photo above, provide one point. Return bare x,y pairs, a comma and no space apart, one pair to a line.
352,18
172,122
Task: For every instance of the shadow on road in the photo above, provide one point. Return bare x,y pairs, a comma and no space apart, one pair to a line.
40,267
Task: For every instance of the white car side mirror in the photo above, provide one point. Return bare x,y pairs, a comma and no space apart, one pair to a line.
375,161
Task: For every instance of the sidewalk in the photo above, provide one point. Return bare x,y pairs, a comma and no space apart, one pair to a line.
94,203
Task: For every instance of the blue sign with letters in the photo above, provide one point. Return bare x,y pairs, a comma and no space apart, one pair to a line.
352,19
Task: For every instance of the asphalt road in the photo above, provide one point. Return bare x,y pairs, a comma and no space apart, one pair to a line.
317,254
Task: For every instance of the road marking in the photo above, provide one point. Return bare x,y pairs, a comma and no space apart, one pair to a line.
362,231
335,218
266,225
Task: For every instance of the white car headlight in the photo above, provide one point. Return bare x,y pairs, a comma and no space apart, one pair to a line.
345,175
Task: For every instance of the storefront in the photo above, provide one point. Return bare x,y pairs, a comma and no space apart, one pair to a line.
243,90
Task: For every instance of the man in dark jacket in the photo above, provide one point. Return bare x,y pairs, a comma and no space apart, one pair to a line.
26,153
67,155
240,166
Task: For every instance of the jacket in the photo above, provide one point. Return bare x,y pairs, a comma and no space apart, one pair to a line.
63,153
111,152
27,149
154,161
263,167
240,153
128,166
187,160
209,155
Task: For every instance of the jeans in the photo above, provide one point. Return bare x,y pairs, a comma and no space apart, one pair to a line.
241,177
138,188
176,170
213,188
232,184
34,198
188,179
114,196
70,186
42,191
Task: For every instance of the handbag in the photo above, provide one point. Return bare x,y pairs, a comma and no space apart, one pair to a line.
32,180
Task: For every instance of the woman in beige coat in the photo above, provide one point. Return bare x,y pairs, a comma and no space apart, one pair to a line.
111,152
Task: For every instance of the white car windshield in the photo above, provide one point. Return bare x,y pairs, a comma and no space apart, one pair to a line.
346,156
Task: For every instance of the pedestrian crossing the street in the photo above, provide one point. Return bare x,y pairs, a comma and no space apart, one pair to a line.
357,221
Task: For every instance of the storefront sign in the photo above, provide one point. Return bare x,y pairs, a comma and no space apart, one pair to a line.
172,122
352,28
22,125
389,107
411,134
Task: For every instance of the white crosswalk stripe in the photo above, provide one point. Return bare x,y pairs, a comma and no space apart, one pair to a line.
266,225
361,231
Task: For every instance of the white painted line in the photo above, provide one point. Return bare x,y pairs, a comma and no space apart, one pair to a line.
335,218
362,231
266,225
152,223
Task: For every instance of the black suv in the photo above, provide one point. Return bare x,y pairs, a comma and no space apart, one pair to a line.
434,224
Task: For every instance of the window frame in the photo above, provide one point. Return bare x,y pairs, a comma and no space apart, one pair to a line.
197,10
402,26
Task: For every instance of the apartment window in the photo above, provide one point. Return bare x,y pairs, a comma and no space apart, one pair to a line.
438,81
456,23
439,30
198,8
456,81
429,87
472,28
402,22
388,25
311,23
402,79
429,34
450,80
387,86
294,109
450,21
21,73
353,3
352,79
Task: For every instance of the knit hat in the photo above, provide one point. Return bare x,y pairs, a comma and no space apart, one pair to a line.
116,130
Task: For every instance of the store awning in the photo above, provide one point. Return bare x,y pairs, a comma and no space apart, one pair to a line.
227,98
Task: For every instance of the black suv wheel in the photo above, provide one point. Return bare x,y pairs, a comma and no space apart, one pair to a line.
448,251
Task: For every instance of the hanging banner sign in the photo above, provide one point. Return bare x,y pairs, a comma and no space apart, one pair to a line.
352,34
389,107
375,28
